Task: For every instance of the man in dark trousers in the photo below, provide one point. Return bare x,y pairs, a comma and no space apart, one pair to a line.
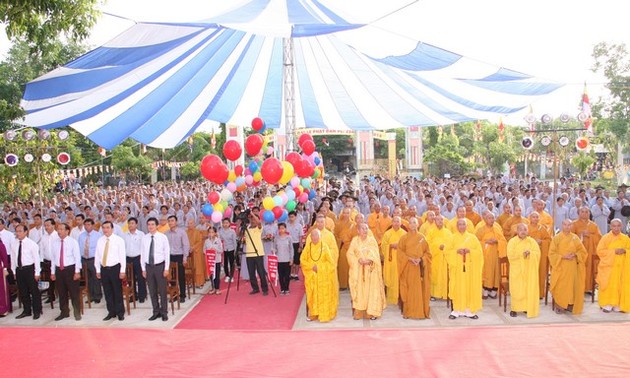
66,271
25,262
155,261
110,262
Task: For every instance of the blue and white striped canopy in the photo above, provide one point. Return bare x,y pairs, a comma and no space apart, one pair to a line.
158,82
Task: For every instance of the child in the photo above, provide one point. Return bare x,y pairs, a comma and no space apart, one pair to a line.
214,242
283,248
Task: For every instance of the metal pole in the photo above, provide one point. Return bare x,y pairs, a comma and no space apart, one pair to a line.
555,184
288,81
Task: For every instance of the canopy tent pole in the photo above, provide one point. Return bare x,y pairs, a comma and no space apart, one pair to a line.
288,81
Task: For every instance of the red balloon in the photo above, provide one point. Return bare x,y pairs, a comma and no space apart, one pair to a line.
271,170
293,158
253,144
232,150
214,197
277,211
238,170
257,124
308,147
303,138
297,192
213,169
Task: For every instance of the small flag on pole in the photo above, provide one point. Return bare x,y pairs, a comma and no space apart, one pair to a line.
501,128
102,151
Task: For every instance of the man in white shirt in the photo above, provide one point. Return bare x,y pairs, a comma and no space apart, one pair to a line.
35,233
133,246
78,229
110,262
45,245
25,263
66,271
155,262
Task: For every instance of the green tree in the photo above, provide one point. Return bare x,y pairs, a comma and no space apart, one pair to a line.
40,21
134,165
446,157
582,162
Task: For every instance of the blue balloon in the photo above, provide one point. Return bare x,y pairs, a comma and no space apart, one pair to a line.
284,216
277,200
290,193
240,181
317,161
311,194
268,216
253,166
207,209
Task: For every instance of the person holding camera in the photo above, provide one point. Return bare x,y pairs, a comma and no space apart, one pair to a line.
254,253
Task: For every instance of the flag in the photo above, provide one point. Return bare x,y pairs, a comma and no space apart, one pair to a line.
501,127
586,111
102,151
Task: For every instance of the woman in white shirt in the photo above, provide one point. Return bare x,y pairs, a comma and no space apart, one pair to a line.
214,242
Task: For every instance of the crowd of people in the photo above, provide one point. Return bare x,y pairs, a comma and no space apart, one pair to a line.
403,242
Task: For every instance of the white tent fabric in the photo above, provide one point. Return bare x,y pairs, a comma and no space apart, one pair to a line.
157,82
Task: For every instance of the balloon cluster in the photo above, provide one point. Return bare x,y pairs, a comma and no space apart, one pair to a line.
295,173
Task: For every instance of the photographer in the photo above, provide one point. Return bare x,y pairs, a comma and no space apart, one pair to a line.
255,255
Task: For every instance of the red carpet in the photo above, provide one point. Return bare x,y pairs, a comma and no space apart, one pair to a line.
543,351
244,311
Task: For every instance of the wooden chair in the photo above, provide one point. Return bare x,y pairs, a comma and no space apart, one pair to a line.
128,288
504,282
84,290
595,265
189,271
172,286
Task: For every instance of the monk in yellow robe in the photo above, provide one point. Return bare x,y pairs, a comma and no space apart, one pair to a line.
329,223
366,276
439,239
163,226
493,244
567,256
509,226
589,234
197,254
471,214
461,214
544,218
319,266
426,227
326,235
379,221
389,254
524,256
541,235
343,236
613,275
465,264
403,222
414,265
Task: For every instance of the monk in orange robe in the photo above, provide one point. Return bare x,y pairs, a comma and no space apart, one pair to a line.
197,255
613,275
589,234
414,271
493,244
509,227
379,221
505,215
567,256
541,235
471,214
343,235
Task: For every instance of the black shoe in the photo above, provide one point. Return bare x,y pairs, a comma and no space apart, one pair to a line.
473,317
141,301
265,293
61,317
108,317
121,317
452,317
36,316
22,315
48,300
96,300
513,314
164,318
183,300
152,318
254,292
77,317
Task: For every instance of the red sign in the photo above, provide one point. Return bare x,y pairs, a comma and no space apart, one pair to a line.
211,256
272,268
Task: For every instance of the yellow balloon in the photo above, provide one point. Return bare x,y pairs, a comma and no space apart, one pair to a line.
218,207
268,203
232,176
287,172
257,176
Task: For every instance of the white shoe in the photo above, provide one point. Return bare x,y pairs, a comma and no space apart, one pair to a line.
616,309
227,279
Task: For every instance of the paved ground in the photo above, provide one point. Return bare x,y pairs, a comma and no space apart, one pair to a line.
491,315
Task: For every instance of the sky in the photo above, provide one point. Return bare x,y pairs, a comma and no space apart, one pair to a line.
550,39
